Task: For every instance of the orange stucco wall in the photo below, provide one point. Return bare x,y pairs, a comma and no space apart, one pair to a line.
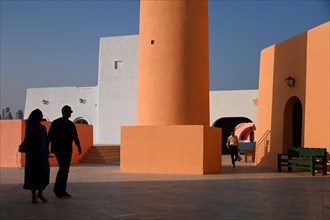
304,57
173,81
265,100
12,134
183,149
317,108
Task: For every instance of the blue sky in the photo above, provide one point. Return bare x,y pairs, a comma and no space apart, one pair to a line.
56,43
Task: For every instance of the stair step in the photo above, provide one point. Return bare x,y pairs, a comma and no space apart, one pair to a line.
102,154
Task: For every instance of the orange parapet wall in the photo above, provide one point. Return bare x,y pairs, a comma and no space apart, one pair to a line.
12,134
183,149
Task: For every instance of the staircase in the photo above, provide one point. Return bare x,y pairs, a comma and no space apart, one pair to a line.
102,154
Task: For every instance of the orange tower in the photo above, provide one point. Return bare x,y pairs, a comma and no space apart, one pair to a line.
172,133
173,63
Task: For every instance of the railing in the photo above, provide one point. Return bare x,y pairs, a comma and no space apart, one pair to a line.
263,145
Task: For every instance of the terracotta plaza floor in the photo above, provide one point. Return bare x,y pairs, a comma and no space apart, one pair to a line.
101,192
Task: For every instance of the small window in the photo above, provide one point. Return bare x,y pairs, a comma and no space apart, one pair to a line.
118,64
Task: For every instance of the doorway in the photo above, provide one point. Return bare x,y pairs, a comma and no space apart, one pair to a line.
296,124
228,124
292,124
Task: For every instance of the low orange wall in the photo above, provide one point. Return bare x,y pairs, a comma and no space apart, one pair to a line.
12,134
177,149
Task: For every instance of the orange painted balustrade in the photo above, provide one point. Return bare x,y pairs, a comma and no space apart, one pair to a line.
12,134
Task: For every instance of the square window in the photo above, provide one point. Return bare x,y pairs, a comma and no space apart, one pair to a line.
118,64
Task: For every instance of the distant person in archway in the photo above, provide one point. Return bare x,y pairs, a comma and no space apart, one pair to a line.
62,133
36,171
232,145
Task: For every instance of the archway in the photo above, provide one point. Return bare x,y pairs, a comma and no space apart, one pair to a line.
245,131
81,120
292,123
228,124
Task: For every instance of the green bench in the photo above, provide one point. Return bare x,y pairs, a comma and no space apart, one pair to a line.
305,158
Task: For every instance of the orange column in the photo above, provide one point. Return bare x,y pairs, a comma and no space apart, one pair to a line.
172,133
173,83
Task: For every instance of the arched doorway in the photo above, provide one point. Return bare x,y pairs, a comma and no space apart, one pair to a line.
297,123
228,125
292,123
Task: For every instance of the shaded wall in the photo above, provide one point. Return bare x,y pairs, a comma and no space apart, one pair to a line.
12,134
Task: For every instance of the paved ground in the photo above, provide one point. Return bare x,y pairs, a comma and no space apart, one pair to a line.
102,192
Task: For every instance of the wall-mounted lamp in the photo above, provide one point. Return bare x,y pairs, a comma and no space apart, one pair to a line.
290,81
45,102
83,101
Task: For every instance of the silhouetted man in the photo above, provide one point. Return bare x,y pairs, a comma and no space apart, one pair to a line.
62,133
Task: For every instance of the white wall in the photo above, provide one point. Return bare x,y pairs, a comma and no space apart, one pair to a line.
233,103
60,96
113,102
117,88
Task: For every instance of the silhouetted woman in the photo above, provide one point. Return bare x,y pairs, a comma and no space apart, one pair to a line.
37,165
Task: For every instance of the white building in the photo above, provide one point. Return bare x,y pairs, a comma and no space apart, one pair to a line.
113,102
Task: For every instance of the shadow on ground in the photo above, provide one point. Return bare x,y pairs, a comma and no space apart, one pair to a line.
265,198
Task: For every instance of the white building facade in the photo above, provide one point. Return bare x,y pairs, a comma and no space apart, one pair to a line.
113,102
